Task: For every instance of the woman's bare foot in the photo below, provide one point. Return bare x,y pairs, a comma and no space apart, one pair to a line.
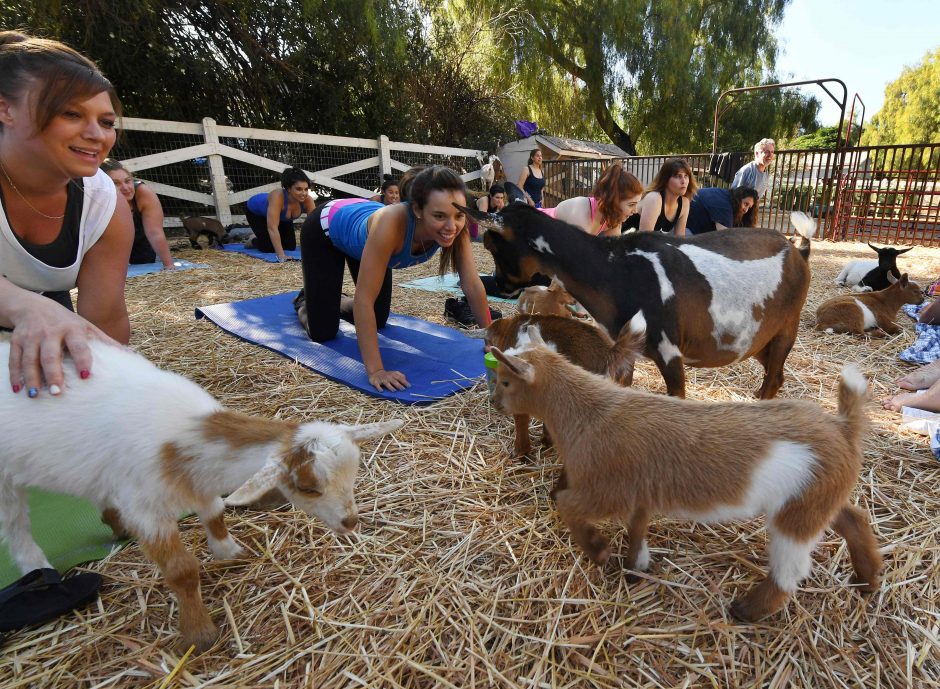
928,400
921,378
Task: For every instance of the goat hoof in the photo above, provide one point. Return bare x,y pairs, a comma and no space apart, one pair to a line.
227,551
521,447
599,550
866,586
742,612
202,639
600,557
631,577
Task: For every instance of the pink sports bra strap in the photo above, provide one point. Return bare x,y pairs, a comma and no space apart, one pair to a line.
594,212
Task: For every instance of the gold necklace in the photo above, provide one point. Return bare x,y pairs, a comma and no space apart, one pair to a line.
25,200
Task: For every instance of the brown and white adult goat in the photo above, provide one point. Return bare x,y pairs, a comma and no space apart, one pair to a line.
709,300
856,313
581,343
631,455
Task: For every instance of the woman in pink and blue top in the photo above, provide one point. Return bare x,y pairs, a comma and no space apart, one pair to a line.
272,215
612,202
373,239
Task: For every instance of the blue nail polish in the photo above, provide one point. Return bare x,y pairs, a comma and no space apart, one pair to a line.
32,392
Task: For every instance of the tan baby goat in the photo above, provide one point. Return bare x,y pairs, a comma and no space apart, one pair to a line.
582,343
856,313
632,455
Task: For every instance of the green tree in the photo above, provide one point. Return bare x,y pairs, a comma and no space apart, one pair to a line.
911,110
824,137
647,73
344,67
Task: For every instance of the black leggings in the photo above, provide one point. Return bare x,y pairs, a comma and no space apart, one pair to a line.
259,225
322,303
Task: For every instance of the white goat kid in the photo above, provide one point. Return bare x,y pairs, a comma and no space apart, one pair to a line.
146,445
854,271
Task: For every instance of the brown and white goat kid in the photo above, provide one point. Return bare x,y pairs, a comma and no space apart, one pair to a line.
581,343
856,313
632,455
146,445
709,300
549,301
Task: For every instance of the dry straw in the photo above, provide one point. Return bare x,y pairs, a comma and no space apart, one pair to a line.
461,574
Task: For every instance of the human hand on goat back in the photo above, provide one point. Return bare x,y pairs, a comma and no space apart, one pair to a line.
388,380
40,337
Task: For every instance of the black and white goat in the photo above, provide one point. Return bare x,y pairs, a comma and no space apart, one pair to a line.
709,300
867,275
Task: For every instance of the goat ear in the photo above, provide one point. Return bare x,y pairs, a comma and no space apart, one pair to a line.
903,280
268,477
516,366
490,221
367,431
514,194
535,335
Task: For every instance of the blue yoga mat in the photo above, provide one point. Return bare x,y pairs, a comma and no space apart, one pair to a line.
447,283
254,253
437,360
144,268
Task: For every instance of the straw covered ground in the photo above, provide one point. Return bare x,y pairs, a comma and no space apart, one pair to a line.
461,574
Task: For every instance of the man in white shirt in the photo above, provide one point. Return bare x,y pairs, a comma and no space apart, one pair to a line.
755,174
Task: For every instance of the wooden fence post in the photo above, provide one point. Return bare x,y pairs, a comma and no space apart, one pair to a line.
223,212
385,158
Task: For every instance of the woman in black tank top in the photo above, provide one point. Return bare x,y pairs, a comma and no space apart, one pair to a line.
665,208
149,238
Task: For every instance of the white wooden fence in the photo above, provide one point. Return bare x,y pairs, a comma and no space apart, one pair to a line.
185,162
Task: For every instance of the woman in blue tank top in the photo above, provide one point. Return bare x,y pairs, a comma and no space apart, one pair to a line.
272,215
373,239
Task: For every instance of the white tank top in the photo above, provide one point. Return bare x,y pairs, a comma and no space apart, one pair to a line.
24,270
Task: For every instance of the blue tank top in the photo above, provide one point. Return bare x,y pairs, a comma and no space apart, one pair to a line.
258,204
349,229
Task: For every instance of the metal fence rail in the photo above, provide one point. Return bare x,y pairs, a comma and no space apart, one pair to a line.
887,194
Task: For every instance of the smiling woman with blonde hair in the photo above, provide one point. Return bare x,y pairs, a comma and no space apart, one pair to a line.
60,226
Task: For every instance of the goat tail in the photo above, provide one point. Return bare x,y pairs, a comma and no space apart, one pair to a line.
623,354
805,227
852,393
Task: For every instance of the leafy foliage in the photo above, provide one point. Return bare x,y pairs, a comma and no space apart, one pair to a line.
648,73
345,67
824,137
911,111
645,74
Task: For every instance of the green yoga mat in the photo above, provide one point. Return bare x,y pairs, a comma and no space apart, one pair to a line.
450,282
68,529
